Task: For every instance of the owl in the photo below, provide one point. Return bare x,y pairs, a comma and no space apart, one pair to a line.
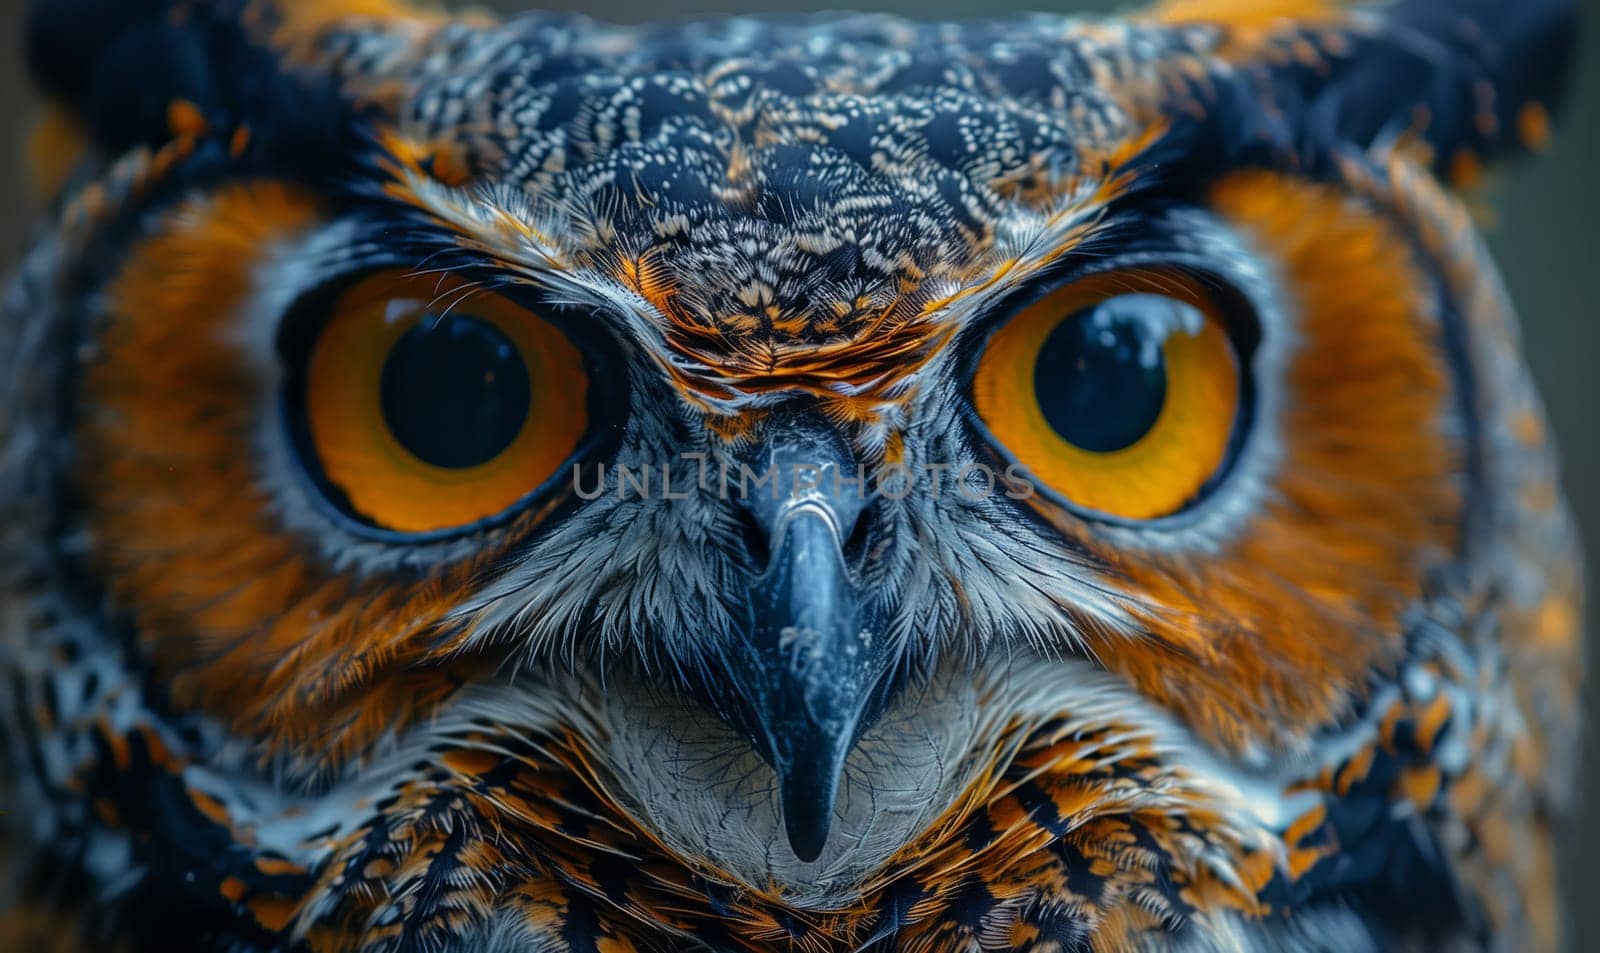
811,485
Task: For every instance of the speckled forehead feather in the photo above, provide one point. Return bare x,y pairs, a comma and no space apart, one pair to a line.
775,175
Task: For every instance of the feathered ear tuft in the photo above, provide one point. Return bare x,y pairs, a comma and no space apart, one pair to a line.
1469,80
120,66
123,74
65,41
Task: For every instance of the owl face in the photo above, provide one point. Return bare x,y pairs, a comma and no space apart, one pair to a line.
815,484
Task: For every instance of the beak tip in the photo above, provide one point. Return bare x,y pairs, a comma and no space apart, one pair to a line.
807,804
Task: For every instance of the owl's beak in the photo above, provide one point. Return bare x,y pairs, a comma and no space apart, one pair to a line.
812,672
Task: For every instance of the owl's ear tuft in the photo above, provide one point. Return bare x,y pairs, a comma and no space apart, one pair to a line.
65,41
1476,79
1469,81
131,73
70,42
119,66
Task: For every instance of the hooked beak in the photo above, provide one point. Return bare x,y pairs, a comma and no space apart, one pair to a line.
812,671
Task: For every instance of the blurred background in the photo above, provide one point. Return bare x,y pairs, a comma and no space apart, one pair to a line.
1545,232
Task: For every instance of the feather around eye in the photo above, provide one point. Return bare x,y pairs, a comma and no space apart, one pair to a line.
239,616
1367,491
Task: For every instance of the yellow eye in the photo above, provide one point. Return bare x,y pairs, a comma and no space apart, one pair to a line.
428,412
1119,392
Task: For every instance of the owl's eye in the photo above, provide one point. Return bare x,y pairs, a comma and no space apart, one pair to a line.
1119,392
427,412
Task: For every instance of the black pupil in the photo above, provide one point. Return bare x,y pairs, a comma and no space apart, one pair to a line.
1101,378
455,391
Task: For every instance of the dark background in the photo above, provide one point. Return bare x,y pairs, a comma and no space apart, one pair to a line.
1546,235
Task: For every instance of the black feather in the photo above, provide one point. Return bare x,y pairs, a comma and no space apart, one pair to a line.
1457,72
120,66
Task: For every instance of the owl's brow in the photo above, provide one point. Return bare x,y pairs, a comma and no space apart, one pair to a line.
498,227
